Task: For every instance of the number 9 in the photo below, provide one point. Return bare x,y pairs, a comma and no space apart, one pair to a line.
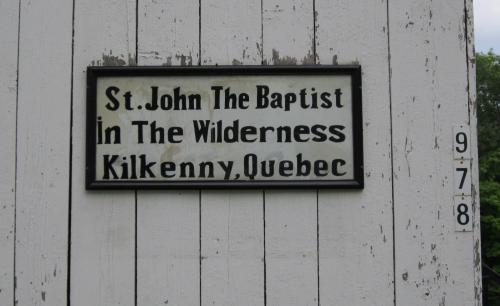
461,139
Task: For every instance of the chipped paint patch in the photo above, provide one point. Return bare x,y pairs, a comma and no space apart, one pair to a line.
287,60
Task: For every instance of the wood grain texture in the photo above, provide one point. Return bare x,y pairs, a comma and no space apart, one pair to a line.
291,248
434,264
43,153
471,62
167,248
288,32
103,223
9,20
291,223
168,33
231,32
355,227
168,270
232,246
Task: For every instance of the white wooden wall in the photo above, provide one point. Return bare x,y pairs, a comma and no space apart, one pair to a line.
393,243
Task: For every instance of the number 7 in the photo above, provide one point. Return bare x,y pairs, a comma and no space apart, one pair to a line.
462,180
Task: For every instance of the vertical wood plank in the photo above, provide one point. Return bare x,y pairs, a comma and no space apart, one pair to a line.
291,223
291,245
232,248
428,42
232,268
103,223
355,227
43,152
9,20
288,32
168,221
168,248
471,62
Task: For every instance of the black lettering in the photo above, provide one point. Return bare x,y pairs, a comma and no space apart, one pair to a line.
99,130
270,171
246,131
217,90
289,99
110,93
262,99
320,168
285,131
314,97
285,168
173,132
145,167
140,131
201,128
338,93
325,97
128,100
336,163
337,135
125,168
167,167
300,130
231,133
250,166
227,168
179,99
108,166
303,166
156,130
187,166
263,132
153,105
203,169
318,131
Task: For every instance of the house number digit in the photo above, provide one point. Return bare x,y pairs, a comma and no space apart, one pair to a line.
463,217
462,207
462,180
462,212
461,142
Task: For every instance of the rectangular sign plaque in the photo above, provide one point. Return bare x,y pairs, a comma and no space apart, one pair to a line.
224,127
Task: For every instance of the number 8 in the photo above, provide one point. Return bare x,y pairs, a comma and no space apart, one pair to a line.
462,212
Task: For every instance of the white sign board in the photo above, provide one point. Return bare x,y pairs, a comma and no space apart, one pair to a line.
157,127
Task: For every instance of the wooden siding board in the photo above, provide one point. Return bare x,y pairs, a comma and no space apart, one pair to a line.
430,95
471,77
232,246
43,153
355,227
168,221
290,215
9,21
103,222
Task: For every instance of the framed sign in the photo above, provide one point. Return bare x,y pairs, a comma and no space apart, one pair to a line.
224,127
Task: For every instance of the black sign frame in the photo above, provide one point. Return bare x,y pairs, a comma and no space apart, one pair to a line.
94,72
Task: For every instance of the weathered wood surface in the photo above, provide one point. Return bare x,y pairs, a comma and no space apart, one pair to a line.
9,19
43,121
232,226
291,216
254,247
168,238
103,223
430,94
472,113
355,228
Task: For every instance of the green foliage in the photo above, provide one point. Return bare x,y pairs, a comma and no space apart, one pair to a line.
488,112
488,101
